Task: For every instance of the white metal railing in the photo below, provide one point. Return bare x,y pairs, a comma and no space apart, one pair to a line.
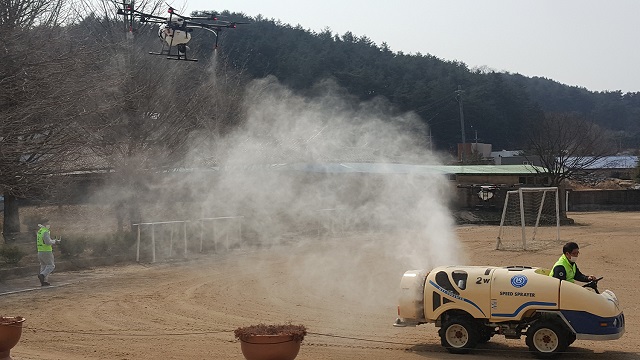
184,233
213,230
327,215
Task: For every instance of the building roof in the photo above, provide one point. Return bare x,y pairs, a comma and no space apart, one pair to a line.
380,168
506,153
607,162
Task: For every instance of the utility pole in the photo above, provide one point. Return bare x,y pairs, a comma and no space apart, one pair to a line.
459,93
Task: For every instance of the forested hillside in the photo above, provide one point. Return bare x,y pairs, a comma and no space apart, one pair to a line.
497,106
82,96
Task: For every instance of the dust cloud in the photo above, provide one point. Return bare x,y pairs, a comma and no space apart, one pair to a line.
289,170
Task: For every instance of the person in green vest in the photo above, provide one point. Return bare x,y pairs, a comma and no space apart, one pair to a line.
566,269
45,252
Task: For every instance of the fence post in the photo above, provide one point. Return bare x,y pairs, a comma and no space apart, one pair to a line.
184,232
201,233
227,230
138,245
153,243
171,239
213,234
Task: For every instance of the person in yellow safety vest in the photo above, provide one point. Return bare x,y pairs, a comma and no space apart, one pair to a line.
45,252
566,269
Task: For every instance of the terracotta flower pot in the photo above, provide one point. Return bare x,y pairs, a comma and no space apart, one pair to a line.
270,347
270,342
10,332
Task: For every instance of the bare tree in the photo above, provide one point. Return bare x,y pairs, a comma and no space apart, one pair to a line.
88,90
27,14
43,85
567,145
159,106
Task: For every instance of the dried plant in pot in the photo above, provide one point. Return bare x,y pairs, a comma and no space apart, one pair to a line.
10,332
270,342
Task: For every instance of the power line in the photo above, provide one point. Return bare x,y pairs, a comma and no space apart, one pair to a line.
433,103
208,332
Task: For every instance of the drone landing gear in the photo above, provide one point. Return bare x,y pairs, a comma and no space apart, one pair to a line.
173,56
181,55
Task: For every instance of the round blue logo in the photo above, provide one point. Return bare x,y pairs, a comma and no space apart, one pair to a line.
519,281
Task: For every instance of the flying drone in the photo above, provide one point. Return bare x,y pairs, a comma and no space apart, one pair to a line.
175,29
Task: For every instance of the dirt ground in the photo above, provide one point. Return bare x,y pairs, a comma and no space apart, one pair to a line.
346,298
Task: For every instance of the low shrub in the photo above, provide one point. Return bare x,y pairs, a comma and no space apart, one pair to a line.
102,247
73,247
297,331
123,243
11,254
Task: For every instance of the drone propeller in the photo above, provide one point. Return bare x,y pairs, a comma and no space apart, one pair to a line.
226,24
235,24
172,12
205,15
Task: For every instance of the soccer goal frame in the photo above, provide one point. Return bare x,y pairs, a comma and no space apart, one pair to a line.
520,194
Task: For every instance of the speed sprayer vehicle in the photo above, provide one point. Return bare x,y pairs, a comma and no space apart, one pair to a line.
470,304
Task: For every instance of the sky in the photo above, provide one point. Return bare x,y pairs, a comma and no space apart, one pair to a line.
593,44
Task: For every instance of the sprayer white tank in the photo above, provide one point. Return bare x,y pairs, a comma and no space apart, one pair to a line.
471,304
173,37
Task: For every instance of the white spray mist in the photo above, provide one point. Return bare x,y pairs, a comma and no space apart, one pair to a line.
397,219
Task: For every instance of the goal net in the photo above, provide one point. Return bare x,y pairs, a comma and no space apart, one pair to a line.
530,218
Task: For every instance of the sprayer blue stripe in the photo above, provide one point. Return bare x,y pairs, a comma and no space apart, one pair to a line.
450,293
530,303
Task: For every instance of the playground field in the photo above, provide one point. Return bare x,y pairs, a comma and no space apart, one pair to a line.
346,299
